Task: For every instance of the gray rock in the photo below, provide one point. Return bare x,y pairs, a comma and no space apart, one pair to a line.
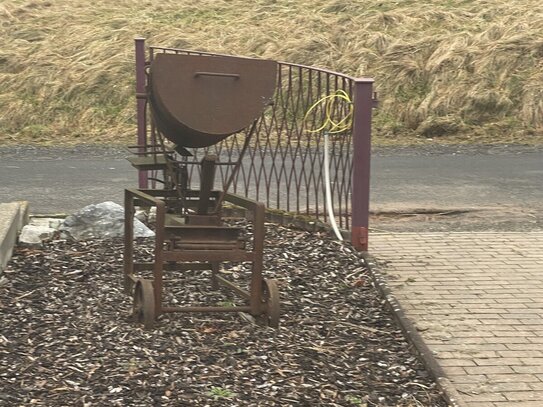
103,220
55,223
46,222
151,216
141,215
33,235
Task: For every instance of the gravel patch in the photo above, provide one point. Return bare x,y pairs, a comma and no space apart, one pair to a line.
456,149
68,339
504,219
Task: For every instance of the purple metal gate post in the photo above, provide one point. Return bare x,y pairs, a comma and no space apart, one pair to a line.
360,204
141,100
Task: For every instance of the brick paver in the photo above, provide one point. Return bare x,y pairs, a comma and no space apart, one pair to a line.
477,300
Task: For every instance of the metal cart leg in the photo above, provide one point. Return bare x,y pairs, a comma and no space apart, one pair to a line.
128,256
215,271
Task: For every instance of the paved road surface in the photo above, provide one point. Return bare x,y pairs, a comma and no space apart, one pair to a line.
56,180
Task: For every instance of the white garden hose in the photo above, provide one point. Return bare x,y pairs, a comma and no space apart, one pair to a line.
331,127
328,189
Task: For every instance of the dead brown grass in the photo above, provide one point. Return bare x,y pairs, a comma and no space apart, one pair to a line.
457,70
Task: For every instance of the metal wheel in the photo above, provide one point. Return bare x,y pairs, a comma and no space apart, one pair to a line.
144,303
271,298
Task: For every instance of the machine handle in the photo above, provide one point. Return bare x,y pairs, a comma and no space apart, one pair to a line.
227,75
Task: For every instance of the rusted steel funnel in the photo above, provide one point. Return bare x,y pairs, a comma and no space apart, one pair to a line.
198,101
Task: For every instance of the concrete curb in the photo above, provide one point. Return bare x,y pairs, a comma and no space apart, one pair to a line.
450,393
13,216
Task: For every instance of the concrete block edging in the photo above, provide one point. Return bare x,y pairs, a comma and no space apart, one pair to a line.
13,216
452,396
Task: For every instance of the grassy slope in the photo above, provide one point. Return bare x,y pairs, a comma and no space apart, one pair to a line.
453,69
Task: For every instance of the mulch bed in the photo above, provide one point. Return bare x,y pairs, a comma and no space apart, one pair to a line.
67,337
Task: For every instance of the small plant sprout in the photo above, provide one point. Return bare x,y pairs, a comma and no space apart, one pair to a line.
221,393
354,400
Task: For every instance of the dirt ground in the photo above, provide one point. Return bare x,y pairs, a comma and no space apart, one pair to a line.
490,219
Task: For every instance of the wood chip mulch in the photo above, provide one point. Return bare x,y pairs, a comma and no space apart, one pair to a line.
67,337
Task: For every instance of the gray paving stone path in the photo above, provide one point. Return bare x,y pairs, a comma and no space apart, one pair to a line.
477,301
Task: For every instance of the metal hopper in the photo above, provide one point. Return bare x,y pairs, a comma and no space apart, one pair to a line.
197,101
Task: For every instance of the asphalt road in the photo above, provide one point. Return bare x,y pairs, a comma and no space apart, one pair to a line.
64,180
459,180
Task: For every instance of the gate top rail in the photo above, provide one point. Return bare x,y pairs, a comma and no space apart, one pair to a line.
312,68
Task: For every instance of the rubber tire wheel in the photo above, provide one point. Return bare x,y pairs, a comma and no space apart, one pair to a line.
144,303
271,297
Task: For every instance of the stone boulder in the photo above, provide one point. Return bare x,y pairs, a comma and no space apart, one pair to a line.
34,235
103,220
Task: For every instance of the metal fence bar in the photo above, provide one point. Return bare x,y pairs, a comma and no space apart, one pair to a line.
140,104
363,104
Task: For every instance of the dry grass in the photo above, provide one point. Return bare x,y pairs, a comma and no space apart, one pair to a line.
458,70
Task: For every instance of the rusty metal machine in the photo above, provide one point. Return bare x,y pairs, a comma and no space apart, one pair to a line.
195,102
